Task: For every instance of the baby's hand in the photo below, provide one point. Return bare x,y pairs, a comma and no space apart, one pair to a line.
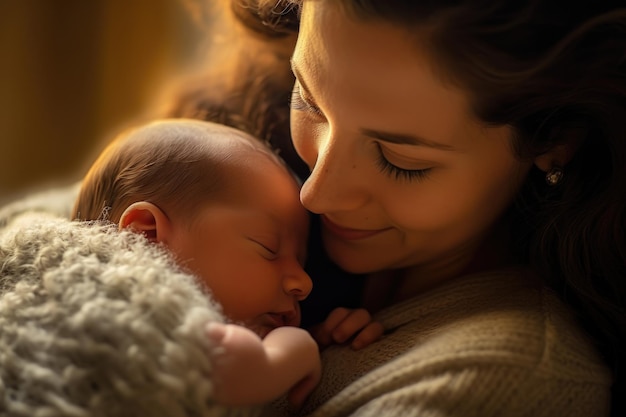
251,371
241,359
343,323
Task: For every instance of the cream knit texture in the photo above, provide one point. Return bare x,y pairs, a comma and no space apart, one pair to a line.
492,344
96,322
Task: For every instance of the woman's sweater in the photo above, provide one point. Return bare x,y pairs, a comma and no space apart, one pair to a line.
491,344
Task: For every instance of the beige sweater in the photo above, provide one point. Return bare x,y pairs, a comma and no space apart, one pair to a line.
493,344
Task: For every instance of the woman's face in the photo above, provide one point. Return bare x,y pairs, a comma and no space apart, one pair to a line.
401,171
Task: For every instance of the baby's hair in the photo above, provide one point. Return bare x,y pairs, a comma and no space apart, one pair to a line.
170,163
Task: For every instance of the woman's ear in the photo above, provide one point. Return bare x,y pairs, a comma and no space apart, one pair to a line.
559,155
146,218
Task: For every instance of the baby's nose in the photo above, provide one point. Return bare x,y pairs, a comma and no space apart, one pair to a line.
297,282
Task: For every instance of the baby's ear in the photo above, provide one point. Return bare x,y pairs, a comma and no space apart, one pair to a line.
146,218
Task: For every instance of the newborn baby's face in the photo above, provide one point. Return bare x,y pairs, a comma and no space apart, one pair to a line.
249,245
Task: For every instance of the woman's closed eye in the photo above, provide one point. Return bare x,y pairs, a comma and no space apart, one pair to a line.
298,102
397,172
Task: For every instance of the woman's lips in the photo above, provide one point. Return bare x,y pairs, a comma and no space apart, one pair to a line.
348,233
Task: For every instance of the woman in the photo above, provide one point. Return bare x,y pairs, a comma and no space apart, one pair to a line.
468,156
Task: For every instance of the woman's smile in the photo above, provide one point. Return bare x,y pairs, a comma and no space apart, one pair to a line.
348,233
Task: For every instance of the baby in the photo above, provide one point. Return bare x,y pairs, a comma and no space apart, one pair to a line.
228,209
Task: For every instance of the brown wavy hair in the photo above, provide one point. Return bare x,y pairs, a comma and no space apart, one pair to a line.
243,78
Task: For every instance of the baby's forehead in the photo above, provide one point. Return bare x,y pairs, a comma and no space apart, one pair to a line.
236,143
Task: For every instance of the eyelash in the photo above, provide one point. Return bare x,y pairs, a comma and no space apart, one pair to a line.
270,252
399,173
297,102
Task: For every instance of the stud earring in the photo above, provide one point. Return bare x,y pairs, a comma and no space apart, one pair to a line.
554,176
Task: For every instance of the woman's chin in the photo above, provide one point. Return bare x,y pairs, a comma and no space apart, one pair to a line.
360,255
356,263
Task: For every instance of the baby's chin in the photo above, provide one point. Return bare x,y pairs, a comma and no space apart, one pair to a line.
260,329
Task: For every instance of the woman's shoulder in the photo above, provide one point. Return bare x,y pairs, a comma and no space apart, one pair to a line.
505,317
486,343
506,311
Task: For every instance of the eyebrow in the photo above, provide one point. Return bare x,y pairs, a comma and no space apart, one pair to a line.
396,138
401,139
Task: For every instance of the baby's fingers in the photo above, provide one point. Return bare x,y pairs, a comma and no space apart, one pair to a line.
353,322
371,333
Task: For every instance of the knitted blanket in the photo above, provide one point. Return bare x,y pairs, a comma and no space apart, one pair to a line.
96,322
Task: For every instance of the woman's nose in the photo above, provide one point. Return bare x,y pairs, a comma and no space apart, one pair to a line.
296,282
335,183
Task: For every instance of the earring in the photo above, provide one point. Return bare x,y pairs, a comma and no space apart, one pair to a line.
554,176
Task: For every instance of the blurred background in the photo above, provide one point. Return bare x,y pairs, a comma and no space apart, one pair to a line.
72,73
